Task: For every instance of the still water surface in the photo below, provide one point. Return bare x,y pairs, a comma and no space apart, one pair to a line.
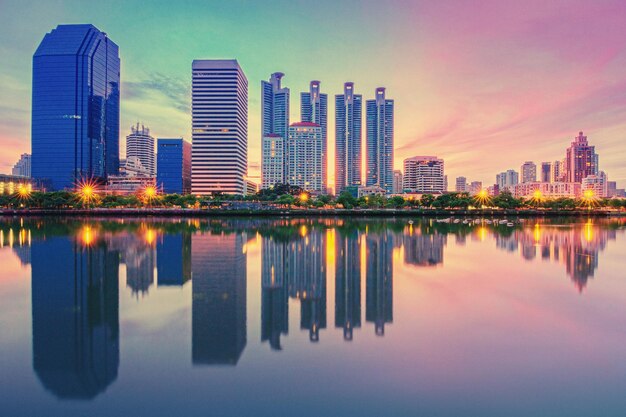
312,317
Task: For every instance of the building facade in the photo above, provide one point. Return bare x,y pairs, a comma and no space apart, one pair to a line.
597,184
314,109
380,141
274,163
461,185
547,189
507,180
529,172
174,166
581,159
219,153
140,144
546,172
305,157
398,182
424,175
22,168
348,121
75,107
274,123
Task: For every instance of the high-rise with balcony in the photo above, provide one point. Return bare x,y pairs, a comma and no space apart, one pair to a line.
314,109
22,167
581,160
219,101
274,124
529,172
75,107
305,157
140,144
380,141
424,175
348,120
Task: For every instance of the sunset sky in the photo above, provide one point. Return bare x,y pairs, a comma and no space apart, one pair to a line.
486,85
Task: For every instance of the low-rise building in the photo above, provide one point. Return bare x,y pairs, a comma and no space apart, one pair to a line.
547,189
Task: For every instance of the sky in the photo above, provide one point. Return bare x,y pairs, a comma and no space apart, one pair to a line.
485,84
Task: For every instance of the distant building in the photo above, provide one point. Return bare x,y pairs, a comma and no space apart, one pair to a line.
557,172
611,188
174,166
380,132
75,107
398,180
314,109
581,160
274,161
348,117
372,190
461,185
251,187
22,167
132,167
9,184
274,124
546,172
305,157
424,174
119,185
140,144
475,187
529,172
547,189
507,180
219,153
596,183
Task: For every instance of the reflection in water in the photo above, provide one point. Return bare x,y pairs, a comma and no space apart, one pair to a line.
75,316
347,281
76,266
218,322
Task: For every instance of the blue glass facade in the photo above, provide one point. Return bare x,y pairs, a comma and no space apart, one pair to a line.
275,118
314,109
76,107
174,166
348,111
380,141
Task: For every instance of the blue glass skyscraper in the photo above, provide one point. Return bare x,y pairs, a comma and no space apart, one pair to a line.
348,118
314,109
76,106
380,141
174,166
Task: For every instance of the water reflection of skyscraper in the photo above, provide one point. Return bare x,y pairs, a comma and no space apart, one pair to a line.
423,247
137,252
218,266
75,316
379,280
274,290
306,270
347,282
173,258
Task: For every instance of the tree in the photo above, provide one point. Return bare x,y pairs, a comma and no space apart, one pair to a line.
347,200
396,201
506,200
286,200
427,200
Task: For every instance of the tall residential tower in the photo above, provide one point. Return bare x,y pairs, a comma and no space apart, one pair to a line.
348,110
274,130
380,141
314,109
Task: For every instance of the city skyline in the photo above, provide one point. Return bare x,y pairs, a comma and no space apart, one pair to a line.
522,104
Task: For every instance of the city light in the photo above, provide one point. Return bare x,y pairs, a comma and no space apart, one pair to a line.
87,191
304,197
482,198
589,198
24,191
149,194
87,236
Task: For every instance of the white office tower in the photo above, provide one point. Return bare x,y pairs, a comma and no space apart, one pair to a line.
305,154
219,106
274,161
424,175
140,145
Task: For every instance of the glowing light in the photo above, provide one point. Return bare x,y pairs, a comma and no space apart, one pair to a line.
24,191
87,191
150,236
87,236
149,194
589,198
482,198
303,231
304,197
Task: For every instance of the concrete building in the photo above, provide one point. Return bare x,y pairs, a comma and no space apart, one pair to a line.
22,168
546,172
274,124
305,157
581,160
348,120
598,184
475,187
140,144
380,141
314,109
529,172
547,189
398,180
461,185
132,167
507,180
424,175
274,160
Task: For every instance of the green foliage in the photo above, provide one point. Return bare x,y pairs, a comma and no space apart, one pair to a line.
347,200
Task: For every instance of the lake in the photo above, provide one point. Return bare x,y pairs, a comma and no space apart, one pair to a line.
312,317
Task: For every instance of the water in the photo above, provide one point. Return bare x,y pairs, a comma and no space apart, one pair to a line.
312,317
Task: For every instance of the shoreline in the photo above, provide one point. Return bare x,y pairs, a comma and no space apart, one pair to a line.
169,212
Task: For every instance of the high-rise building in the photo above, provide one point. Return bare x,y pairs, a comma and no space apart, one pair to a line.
274,124
140,144
424,174
348,121
611,188
174,166
529,172
75,107
380,141
581,160
305,157
398,180
219,152
507,180
475,187
274,163
22,167
557,172
546,172
314,109
461,185
598,184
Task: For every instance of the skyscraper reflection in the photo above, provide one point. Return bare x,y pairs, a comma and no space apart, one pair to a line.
218,323
173,256
347,281
274,290
75,316
423,247
379,279
306,269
